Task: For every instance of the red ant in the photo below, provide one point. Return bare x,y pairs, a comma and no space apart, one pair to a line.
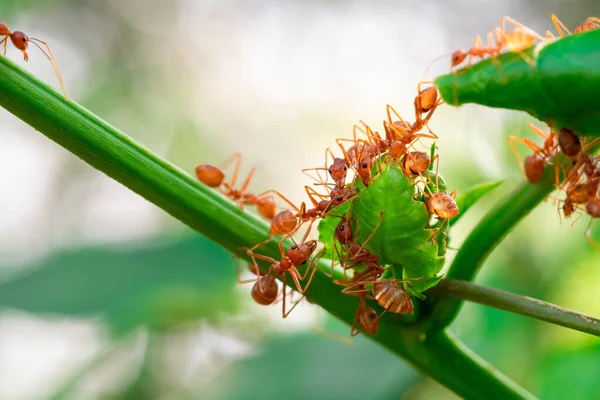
214,177
534,164
367,319
589,24
287,222
265,289
337,170
516,40
21,41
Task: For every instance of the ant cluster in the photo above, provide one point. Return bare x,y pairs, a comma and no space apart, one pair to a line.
366,158
582,179
369,156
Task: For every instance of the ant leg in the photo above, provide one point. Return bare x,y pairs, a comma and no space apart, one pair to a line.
285,314
3,43
312,192
588,235
50,57
559,26
239,272
527,142
372,232
261,257
387,109
236,169
281,196
517,24
353,330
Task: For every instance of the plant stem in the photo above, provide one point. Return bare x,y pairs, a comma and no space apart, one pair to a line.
488,233
507,301
110,151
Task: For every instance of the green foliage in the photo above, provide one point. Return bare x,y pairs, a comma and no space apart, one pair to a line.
159,285
561,89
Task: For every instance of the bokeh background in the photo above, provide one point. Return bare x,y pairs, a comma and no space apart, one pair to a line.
102,295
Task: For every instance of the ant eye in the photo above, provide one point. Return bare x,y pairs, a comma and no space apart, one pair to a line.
345,168
303,262
341,228
331,170
340,198
364,165
294,247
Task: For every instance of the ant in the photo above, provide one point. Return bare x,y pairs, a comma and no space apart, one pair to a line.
439,203
363,153
516,40
401,134
265,289
534,164
287,222
213,176
337,170
21,42
589,24
367,319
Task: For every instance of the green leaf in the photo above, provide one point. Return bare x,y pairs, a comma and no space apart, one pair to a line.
472,196
403,238
561,89
156,285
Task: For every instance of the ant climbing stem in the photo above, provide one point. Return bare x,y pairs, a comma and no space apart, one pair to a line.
213,176
21,41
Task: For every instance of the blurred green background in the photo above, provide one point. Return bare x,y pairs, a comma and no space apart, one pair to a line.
104,296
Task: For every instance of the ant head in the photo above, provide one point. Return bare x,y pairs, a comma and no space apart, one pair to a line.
368,320
299,254
343,232
458,57
20,40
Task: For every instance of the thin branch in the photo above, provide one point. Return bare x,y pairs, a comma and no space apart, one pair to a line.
515,303
482,240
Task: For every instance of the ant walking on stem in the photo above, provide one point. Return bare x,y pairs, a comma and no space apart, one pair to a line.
213,176
21,42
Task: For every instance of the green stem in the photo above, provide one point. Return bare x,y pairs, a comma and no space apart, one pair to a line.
110,151
488,233
538,309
